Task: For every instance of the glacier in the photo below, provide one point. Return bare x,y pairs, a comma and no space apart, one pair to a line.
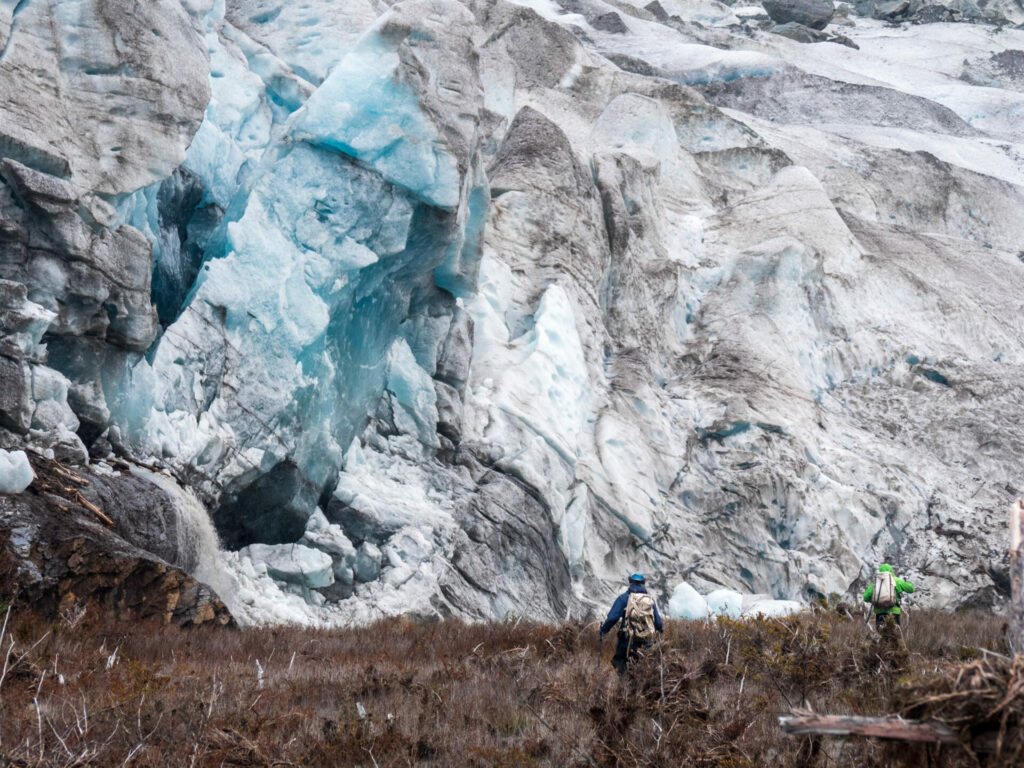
473,307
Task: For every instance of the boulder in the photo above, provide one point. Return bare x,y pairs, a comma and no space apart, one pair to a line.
59,557
800,33
815,14
891,9
610,22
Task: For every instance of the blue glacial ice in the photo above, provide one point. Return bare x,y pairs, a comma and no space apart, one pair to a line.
365,110
336,211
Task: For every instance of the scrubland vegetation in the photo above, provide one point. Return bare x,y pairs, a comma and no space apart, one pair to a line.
77,693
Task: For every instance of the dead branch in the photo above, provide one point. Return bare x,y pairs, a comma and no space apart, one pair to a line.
895,728
80,499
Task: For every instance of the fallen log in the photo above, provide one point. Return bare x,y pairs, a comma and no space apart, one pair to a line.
895,728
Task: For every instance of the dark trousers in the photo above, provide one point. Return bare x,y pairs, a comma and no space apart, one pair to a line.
626,653
880,619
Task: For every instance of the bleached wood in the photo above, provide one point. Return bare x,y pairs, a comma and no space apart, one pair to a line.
1017,576
893,728
879,727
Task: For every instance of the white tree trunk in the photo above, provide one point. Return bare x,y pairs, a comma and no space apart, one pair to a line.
1017,576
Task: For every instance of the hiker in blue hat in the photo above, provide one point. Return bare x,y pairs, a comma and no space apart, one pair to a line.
640,620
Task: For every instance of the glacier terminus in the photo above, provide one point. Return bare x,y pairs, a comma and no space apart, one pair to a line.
472,307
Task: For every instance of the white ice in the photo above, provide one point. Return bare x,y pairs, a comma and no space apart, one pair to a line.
687,603
15,472
725,602
292,563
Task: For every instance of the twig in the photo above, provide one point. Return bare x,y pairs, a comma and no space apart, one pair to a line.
370,753
987,652
62,742
68,474
3,631
661,673
21,658
93,508
39,716
739,696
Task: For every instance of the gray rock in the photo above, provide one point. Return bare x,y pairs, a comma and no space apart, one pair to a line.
1000,12
535,154
16,404
935,14
506,559
1010,64
449,411
94,281
60,557
656,10
609,22
844,40
891,9
634,65
799,32
457,351
815,14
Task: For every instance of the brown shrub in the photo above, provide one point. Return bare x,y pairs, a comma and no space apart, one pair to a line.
396,693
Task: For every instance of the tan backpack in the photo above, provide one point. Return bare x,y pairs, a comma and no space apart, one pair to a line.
885,596
638,622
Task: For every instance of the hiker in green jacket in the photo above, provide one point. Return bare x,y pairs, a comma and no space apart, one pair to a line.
884,594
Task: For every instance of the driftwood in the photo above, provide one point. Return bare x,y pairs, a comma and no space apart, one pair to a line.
67,474
895,728
84,502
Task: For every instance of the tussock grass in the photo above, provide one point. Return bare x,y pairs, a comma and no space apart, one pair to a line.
76,693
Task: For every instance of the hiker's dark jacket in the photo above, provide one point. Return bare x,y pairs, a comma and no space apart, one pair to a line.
619,610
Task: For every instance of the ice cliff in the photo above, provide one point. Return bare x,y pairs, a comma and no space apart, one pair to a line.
472,307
